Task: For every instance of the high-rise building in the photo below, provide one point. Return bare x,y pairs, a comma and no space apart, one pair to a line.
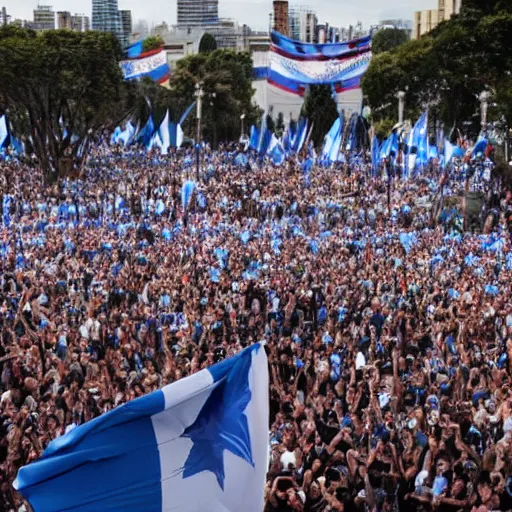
4,17
447,8
399,24
321,33
193,13
353,32
44,18
308,24
302,23
64,20
80,23
105,17
281,18
126,28
425,21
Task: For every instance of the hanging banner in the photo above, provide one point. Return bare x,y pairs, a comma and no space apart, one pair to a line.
154,67
301,51
318,72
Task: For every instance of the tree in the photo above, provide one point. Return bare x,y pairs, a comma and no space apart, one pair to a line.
447,69
63,86
387,39
226,78
152,43
207,44
321,111
280,124
270,124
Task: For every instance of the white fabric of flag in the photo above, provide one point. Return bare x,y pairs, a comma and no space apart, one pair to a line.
198,444
3,130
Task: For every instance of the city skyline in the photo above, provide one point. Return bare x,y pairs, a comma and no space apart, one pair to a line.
254,13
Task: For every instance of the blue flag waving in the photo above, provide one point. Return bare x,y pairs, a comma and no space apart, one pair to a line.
200,443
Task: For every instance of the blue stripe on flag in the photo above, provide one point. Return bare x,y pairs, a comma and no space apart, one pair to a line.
92,467
302,50
134,50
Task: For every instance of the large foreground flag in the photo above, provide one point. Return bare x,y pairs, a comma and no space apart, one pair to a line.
198,444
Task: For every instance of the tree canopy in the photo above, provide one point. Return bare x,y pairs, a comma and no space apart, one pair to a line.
321,110
387,39
447,69
60,86
226,78
207,44
152,43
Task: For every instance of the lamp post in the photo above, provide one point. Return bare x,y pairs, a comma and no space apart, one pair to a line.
484,103
199,104
401,106
242,117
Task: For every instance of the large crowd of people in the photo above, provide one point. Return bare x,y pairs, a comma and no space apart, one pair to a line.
388,326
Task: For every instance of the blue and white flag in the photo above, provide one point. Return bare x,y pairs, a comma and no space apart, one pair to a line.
154,67
277,154
180,136
146,134
198,444
480,146
332,142
187,190
183,118
420,139
4,132
448,152
300,136
254,137
375,155
164,134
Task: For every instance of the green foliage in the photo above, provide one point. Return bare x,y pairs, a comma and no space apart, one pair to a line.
61,75
279,124
207,44
448,68
387,39
321,111
383,128
270,124
226,78
152,43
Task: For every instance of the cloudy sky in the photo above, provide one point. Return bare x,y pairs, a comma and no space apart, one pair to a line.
252,12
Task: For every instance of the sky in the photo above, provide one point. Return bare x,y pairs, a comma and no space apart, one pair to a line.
255,13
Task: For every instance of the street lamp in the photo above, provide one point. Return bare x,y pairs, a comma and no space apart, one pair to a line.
484,103
401,106
199,104
242,117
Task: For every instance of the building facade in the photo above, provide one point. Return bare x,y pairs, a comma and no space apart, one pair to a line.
105,17
193,13
64,20
302,22
80,23
425,21
126,27
353,32
44,18
281,17
447,8
309,22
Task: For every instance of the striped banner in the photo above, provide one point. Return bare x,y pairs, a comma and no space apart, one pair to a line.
154,67
312,51
293,65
